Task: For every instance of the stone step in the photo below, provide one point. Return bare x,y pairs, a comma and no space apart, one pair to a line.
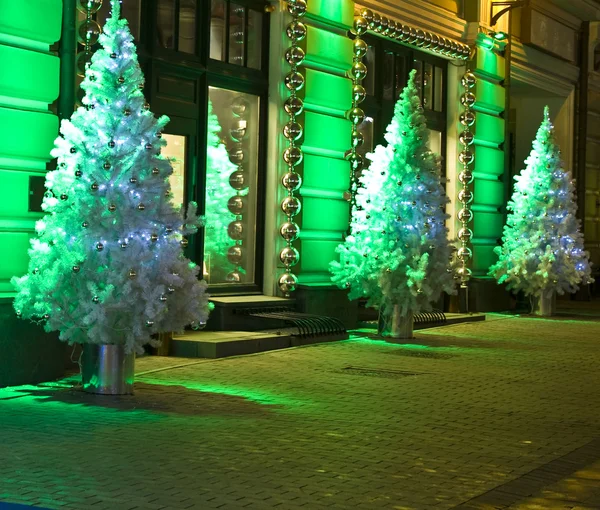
221,344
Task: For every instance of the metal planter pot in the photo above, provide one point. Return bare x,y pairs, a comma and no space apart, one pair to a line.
107,369
394,325
544,305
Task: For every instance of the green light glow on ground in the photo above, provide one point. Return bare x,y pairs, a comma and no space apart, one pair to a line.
235,391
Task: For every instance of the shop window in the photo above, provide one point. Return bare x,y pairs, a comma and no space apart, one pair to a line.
388,66
430,83
231,187
131,10
369,82
236,32
209,75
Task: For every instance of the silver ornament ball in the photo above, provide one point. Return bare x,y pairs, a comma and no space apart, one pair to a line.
289,231
289,256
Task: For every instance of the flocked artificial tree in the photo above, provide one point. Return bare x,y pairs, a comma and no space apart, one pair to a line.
397,252
107,266
218,192
542,252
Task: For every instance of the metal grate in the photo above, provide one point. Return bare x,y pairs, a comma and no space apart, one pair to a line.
376,372
430,318
308,325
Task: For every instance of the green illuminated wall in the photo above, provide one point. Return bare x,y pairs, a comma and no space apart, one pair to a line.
490,184
29,83
327,96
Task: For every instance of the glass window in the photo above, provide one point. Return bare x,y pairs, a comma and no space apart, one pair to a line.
388,76
428,86
369,81
165,21
175,150
255,32
438,85
187,26
400,75
218,30
237,34
130,10
231,191
435,141
418,65
391,63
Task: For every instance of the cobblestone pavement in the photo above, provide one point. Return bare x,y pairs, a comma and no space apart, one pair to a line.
501,414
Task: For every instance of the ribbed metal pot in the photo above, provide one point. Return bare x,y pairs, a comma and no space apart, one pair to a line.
395,326
107,369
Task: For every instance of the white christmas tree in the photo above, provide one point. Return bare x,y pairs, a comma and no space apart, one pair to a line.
542,249
218,192
107,266
397,253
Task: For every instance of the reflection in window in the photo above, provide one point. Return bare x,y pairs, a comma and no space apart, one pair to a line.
436,146
254,45
175,151
388,76
369,82
438,85
231,170
187,26
428,87
418,65
400,74
435,141
237,16
130,10
217,29
166,23
236,34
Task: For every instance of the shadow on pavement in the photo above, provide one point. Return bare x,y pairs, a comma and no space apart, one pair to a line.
158,399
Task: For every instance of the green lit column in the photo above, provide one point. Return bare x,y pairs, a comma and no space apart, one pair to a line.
327,97
489,172
29,83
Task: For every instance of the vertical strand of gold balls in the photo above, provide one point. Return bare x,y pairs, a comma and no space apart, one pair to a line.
356,115
292,155
465,178
238,180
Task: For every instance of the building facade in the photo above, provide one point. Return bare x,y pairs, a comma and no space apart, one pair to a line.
221,71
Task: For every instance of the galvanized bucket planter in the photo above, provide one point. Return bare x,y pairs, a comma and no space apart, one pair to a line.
394,325
107,369
544,305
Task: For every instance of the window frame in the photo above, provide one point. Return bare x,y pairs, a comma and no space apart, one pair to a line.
381,110
156,61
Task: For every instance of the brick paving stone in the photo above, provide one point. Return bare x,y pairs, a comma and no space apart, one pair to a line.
504,410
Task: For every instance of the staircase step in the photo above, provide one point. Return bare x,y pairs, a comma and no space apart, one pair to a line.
220,344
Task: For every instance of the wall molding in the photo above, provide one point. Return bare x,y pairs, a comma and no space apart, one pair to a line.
536,68
420,14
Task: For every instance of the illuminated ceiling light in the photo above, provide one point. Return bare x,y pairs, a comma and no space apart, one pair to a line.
499,36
